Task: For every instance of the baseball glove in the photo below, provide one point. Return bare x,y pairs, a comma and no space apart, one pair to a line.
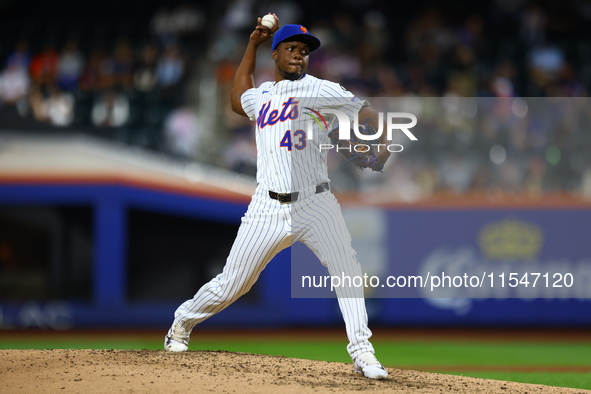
357,152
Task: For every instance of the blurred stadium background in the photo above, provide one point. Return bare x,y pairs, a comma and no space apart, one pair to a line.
124,174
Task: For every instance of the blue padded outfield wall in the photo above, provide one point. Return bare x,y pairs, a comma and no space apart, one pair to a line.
414,241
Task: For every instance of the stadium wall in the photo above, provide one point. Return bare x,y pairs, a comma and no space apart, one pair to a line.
492,239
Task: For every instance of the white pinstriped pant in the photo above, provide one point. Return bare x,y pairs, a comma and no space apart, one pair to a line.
269,227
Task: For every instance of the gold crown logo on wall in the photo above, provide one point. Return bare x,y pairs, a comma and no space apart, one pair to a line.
510,239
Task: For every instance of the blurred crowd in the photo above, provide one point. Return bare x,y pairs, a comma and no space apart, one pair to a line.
129,86
490,50
138,89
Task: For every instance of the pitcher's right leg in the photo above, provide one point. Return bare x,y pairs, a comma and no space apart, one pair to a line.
264,232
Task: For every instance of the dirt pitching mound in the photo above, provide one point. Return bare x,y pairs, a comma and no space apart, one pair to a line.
150,371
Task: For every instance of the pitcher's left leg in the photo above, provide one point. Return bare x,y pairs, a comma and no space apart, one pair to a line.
324,231
322,227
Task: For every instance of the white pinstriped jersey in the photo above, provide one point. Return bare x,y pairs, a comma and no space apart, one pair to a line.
287,160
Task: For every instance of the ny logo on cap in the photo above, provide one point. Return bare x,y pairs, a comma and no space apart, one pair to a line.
303,29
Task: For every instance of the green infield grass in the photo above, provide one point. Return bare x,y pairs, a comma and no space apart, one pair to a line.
578,380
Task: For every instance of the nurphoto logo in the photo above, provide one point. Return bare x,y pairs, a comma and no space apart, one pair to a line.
359,134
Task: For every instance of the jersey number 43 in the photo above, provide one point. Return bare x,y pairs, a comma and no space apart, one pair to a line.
298,138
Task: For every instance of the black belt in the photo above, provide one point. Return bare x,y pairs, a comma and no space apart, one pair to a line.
285,198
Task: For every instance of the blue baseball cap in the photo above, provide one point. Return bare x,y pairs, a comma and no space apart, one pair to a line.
295,33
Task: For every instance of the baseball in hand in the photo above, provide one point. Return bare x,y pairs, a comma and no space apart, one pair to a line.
268,21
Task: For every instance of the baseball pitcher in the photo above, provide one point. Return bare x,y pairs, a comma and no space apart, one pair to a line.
293,201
